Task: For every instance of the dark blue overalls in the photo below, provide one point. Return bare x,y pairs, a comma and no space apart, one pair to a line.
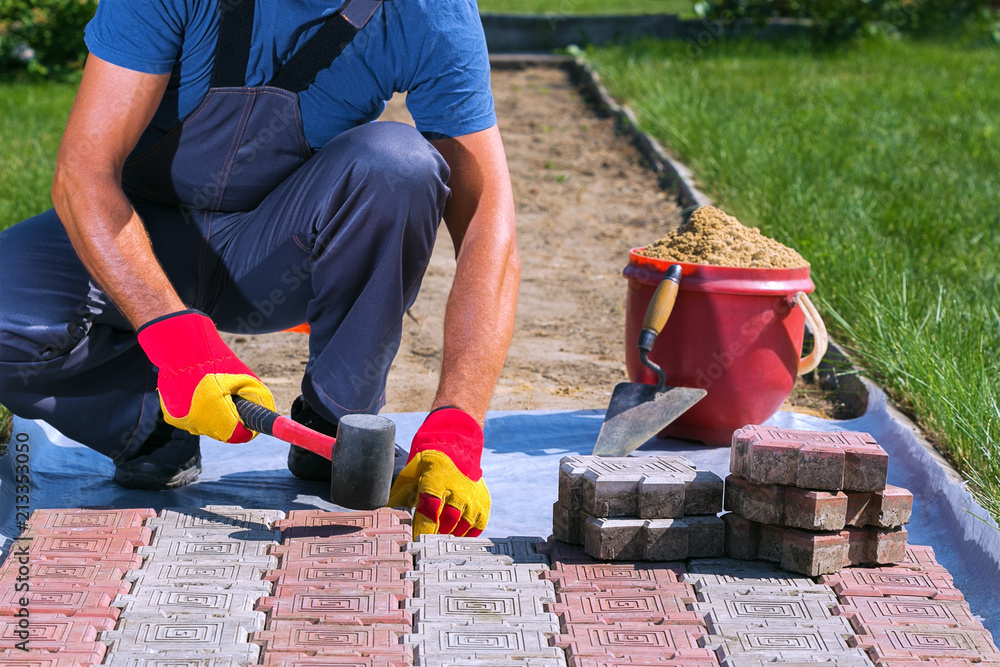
253,228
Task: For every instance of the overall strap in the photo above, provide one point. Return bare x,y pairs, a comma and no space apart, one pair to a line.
232,51
323,48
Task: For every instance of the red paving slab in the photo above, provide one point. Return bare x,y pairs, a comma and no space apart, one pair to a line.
921,558
337,606
93,520
870,611
107,575
646,661
296,659
72,546
353,574
35,658
612,576
667,605
890,581
59,598
318,523
362,549
633,640
917,643
825,461
329,639
54,633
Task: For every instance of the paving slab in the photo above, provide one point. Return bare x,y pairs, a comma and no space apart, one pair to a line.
921,558
612,576
649,487
633,640
183,546
789,608
216,517
53,633
478,606
900,610
781,641
93,521
438,661
77,546
349,575
302,660
817,460
83,572
320,523
506,550
644,661
434,575
342,607
444,641
175,659
224,575
358,549
183,633
18,658
891,581
917,643
60,598
824,660
746,576
200,600
337,640
654,539
667,605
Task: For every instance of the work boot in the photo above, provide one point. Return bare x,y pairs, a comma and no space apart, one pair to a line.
310,466
169,459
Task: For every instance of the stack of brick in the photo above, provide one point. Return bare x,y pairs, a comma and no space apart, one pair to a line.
339,588
911,613
813,501
657,508
757,614
624,614
480,602
192,601
58,582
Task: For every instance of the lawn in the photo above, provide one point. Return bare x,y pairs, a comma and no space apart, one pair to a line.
879,164
684,7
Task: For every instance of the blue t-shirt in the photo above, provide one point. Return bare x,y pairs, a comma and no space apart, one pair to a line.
433,50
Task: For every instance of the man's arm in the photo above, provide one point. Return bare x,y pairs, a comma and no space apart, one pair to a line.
479,318
112,108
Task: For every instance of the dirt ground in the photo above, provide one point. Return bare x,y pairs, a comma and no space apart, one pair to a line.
583,199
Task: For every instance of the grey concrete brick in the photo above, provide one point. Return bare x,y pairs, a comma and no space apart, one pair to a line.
797,661
781,641
187,546
175,659
653,487
567,524
727,573
224,636
439,661
170,601
775,609
489,606
443,641
654,539
450,549
227,575
432,576
215,517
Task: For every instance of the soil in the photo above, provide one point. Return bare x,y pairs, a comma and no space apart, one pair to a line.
583,199
710,236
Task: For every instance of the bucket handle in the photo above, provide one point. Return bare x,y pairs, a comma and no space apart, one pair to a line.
820,338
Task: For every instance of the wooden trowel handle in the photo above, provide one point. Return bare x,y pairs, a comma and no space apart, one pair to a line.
659,307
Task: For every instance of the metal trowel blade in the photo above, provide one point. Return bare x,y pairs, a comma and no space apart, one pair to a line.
637,412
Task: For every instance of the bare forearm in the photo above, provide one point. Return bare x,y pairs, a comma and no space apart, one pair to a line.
112,243
479,323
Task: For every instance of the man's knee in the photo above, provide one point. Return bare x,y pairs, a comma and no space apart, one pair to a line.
397,161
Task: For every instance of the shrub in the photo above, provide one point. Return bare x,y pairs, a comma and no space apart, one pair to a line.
43,37
837,20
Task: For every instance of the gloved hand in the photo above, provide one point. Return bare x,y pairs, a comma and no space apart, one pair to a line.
442,476
198,373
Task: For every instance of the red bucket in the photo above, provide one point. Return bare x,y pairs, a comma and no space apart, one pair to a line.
736,333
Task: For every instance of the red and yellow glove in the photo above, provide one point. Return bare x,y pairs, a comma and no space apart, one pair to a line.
197,375
442,477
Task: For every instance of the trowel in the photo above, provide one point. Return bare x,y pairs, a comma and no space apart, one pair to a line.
639,411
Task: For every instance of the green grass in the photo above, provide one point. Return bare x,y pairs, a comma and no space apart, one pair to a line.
34,115
879,164
684,7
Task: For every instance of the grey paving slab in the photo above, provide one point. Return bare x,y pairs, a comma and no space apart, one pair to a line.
826,661
650,487
433,575
224,636
505,550
215,517
191,600
478,606
443,641
654,539
175,659
193,545
706,573
226,575
774,609
436,661
780,639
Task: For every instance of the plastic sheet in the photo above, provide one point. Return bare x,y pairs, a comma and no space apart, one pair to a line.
521,467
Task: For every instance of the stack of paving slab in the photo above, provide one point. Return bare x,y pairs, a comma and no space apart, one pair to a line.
194,595
655,508
813,501
58,582
339,589
480,602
